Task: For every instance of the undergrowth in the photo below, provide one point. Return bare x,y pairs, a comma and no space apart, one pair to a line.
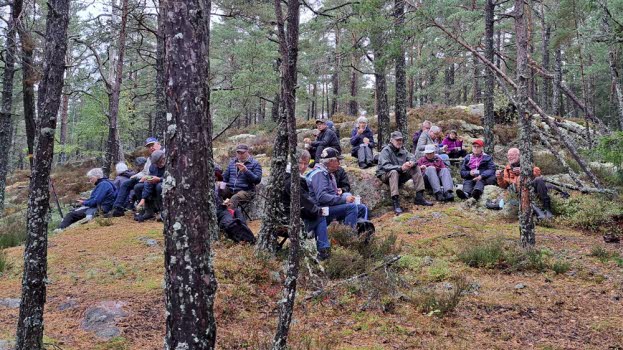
604,255
4,264
595,213
12,231
433,301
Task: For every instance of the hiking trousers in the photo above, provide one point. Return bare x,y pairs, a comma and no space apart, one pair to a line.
438,179
470,185
396,179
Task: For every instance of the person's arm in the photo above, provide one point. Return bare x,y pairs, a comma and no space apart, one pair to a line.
386,165
465,169
502,179
370,137
355,138
489,170
254,174
343,182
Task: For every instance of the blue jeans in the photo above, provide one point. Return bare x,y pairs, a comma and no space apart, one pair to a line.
347,213
319,226
121,201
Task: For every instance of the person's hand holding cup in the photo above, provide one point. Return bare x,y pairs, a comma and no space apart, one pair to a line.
498,173
366,140
350,199
325,211
516,170
357,199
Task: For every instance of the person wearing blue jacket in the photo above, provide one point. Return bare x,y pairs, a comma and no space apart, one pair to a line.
362,140
243,173
101,199
324,191
151,195
477,171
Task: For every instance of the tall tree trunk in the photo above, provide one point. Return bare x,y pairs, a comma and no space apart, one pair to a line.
614,72
353,107
29,78
30,323
380,88
160,119
189,213
114,153
411,81
546,90
274,110
557,104
526,222
400,109
6,109
476,84
288,46
314,109
583,77
489,118
335,78
62,157
446,86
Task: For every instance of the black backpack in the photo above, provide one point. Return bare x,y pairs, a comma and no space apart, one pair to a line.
238,231
365,229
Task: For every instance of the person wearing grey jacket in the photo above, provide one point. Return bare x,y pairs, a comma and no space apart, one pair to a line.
396,166
430,138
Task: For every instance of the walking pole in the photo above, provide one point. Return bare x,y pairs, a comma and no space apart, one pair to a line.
58,204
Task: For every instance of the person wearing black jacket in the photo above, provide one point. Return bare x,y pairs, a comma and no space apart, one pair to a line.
326,138
341,179
310,212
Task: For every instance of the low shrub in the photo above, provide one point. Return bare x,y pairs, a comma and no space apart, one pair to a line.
437,114
13,231
602,254
4,264
560,267
506,256
488,255
505,133
595,213
548,163
344,263
441,302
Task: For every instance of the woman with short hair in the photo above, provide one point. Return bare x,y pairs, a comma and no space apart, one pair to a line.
362,140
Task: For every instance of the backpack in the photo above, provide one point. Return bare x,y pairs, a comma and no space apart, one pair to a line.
238,231
365,229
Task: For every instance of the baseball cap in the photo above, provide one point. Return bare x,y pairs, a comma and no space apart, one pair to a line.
242,147
396,135
330,152
150,140
429,149
318,120
479,143
156,156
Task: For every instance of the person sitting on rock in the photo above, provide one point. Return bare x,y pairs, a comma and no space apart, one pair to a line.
135,183
331,126
436,175
341,179
509,178
454,145
101,199
362,140
397,166
310,213
324,191
243,173
123,174
231,221
477,171
432,137
326,138
426,125
151,196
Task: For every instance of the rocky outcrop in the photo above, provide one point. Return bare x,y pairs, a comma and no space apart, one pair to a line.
102,319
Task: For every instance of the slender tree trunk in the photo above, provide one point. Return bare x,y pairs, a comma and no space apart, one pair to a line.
6,109
411,81
29,78
160,119
288,45
189,213
335,79
557,91
274,110
62,158
526,222
353,107
30,323
489,118
476,86
614,72
114,153
498,48
314,109
380,88
546,90
400,109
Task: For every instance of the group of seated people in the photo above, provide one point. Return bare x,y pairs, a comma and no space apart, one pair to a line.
325,190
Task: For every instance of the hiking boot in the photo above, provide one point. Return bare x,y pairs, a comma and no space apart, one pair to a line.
448,197
323,254
540,214
420,200
396,204
439,196
461,194
117,212
477,193
148,214
363,165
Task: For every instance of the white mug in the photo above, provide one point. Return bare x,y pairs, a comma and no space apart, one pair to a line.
357,199
222,185
325,211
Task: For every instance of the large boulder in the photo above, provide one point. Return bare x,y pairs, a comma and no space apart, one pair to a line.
241,137
373,192
102,319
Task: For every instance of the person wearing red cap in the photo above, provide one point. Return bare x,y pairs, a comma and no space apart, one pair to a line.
477,171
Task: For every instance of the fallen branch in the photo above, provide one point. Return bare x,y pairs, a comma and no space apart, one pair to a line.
582,189
226,128
319,292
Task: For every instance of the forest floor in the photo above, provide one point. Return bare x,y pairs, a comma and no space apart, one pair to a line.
576,307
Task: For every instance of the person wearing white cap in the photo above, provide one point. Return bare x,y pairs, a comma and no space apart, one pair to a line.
436,175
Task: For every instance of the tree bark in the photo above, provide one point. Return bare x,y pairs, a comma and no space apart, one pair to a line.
614,72
353,107
6,108
62,157
29,78
400,109
546,90
557,91
411,81
335,78
526,222
380,88
160,119
30,323
189,213
489,118
288,45
114,153
476,83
